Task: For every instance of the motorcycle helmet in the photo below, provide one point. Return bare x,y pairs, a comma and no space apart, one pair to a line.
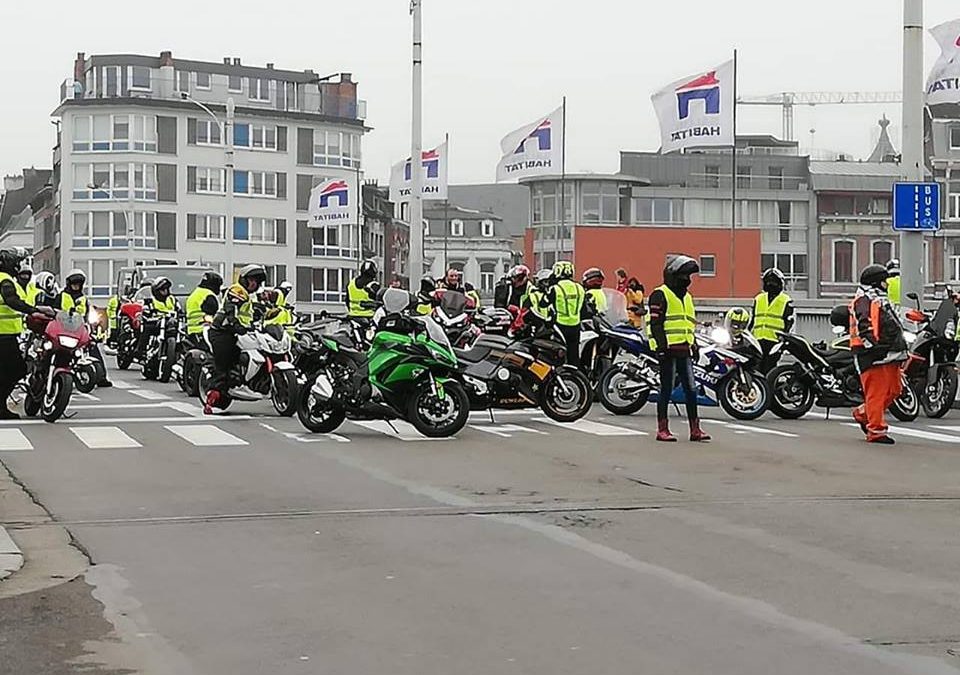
427,285
593,278
212,281
46,282
544,278
286,288
75,278
25,274
874,275
160,288
563,269
736,320
520,274
678,270
254,275
840,316
9,260
893,267
369,269
773,280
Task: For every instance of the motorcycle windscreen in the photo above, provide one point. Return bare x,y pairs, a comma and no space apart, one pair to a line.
453,303
945,314
434,331
616,311
70,322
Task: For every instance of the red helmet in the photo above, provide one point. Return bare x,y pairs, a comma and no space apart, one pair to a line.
520,274
593,278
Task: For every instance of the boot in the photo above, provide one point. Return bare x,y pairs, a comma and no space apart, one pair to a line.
213,397
663,432
697,435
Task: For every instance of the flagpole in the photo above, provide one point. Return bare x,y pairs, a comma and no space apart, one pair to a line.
360,220
446,202
416,152
563,181
733,182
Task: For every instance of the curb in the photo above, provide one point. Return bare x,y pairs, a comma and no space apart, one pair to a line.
11,558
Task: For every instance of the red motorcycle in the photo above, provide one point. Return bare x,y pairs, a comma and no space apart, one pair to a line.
58,343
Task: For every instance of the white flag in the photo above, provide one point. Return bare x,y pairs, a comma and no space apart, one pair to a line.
943,83
533,150
334,202
697,110
434,166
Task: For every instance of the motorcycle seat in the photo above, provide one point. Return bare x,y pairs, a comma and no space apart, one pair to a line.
482,348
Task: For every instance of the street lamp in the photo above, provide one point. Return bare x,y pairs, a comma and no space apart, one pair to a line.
226,136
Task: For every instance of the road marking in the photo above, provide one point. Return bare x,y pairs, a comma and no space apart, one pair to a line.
404,430
101,406
185,407
306,437
149,394
205,435
593,428
759,430
13,439
103,438
123,384
86,397
504,413
506,430
130,420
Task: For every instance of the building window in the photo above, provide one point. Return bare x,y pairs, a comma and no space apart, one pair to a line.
101,274
256,136
113,181
99,229
784,235
955,137
657,210
793,266
255,183
880,206
743,177
209,180
881,252
775,174
335,241
601,202
844,259
209,227
259,89
488,277
182,81
235,84
255,230
335,148
708,266
114,133
711,175
329,285
139,77
486,228
144,230
953,204
208,132
288,96
203,80
456,228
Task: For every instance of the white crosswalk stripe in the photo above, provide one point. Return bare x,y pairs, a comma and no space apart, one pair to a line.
149,394
104,438
506,430
13,439
591,427
205,435
404,430
122,384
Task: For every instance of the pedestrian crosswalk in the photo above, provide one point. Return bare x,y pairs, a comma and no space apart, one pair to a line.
104,438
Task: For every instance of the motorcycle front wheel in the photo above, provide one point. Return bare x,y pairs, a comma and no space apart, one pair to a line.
906,407
168,356
284,392
937,399
620,393
790,397
318,416
566,396
436,417
125,344
55,402
187,379
744,401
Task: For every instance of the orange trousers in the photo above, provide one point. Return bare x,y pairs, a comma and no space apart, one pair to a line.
881,387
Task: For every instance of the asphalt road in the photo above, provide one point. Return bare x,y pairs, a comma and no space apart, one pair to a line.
241,544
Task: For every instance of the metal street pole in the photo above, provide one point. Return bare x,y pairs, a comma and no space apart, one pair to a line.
416,150
911,243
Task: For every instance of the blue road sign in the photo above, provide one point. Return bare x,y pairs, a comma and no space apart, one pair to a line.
916,206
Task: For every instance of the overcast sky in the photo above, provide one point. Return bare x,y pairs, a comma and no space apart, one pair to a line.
490,66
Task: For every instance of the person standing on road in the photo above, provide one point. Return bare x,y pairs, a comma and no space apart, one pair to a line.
566,297
876,338
772,313
72,298
202,303
673,319
361,290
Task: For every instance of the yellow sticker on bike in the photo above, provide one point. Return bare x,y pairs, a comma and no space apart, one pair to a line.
540,369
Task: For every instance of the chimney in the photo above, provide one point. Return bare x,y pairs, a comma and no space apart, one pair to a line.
346,77
165,86
166,59
80,67
269,66
226,60
236,61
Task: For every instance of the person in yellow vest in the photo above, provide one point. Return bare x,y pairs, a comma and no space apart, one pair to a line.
235,317
536,302
159,303
25,285
12,309
596,301
285,302
566,297
893,282
203,304
773,313
361,291
72,298
472,294
673,320
426,295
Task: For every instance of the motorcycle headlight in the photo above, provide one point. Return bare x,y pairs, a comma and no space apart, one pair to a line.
720,335
69,342
909,337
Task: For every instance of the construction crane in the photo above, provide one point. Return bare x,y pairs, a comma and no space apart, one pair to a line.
788,99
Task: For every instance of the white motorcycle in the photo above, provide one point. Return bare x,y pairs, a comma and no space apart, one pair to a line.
265,370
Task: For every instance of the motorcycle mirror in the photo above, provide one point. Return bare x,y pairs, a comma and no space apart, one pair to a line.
913,296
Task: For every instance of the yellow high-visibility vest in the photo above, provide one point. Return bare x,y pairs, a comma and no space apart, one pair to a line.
681,319
768,316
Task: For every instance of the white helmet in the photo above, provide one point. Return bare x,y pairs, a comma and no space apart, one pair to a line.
46,282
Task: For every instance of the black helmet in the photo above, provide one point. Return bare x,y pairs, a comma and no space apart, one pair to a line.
252,273
212,281
76,276
840,316
893,267
369,269
679,269
427,285
874,275
10,260
773,274
160,288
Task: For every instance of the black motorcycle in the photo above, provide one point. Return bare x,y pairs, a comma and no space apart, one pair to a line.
931,368
826,376
160,353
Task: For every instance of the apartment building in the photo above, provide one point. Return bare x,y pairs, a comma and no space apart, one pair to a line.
164,160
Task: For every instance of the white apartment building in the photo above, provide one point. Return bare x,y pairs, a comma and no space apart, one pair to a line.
163,160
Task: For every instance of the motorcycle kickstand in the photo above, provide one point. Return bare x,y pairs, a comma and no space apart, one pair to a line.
395,430
490,412
827,414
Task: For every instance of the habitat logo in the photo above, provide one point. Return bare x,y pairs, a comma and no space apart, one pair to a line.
705,88
338,190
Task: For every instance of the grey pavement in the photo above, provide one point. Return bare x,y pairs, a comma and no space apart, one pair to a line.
241,544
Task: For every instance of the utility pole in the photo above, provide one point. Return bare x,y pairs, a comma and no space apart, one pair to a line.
416,150
912,167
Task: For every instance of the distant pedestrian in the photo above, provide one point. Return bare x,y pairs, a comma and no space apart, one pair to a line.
622,280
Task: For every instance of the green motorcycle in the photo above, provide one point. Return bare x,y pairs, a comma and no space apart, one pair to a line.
409,373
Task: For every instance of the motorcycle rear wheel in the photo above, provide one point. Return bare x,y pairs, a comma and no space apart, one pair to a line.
906,407
566,396
124,348
31,406
946,388
53,406
86,378
613,399
319,417
783,381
